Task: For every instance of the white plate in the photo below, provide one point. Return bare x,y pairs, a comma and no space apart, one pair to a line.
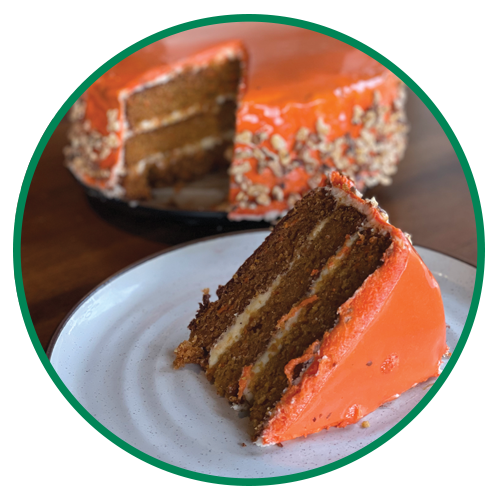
115,352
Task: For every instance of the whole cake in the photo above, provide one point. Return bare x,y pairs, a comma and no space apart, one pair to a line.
332,316
281,105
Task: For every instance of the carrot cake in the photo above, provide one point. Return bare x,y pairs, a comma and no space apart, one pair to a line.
332,316
280,106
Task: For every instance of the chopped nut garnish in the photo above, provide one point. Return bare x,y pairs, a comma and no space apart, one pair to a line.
263,199
240,168
257,189
278,143
321,127
358,112
244,137
302,134
276,168
277,193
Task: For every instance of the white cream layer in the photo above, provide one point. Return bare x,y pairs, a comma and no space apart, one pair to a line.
160,159
233,333
180,115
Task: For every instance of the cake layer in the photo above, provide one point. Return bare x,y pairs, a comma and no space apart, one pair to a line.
178,165
215,123
254,278
192,162
181,114
187,90
253,333
312,317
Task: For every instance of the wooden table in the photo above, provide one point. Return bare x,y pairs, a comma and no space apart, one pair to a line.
67,248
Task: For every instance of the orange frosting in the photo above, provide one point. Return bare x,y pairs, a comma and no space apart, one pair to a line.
292,78
289,69
390,336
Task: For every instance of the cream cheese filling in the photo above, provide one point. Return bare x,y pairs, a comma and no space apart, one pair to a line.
233,333
180,115
160,159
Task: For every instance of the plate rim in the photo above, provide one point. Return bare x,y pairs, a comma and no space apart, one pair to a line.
57,332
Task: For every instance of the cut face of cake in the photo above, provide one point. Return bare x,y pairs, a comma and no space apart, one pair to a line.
332,316
151,122
282,106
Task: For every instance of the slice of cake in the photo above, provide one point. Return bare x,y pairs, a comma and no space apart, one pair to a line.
283,105
332,316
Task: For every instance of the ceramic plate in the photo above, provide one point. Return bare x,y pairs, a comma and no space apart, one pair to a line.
115,352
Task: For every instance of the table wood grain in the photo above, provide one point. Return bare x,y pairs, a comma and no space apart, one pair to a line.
68,248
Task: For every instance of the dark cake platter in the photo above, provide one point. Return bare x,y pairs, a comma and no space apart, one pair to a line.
201,202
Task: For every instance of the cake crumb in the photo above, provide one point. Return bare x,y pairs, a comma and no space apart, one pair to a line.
280,445
365,424
242,445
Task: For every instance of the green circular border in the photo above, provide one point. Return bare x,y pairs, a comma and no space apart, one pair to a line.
58,442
